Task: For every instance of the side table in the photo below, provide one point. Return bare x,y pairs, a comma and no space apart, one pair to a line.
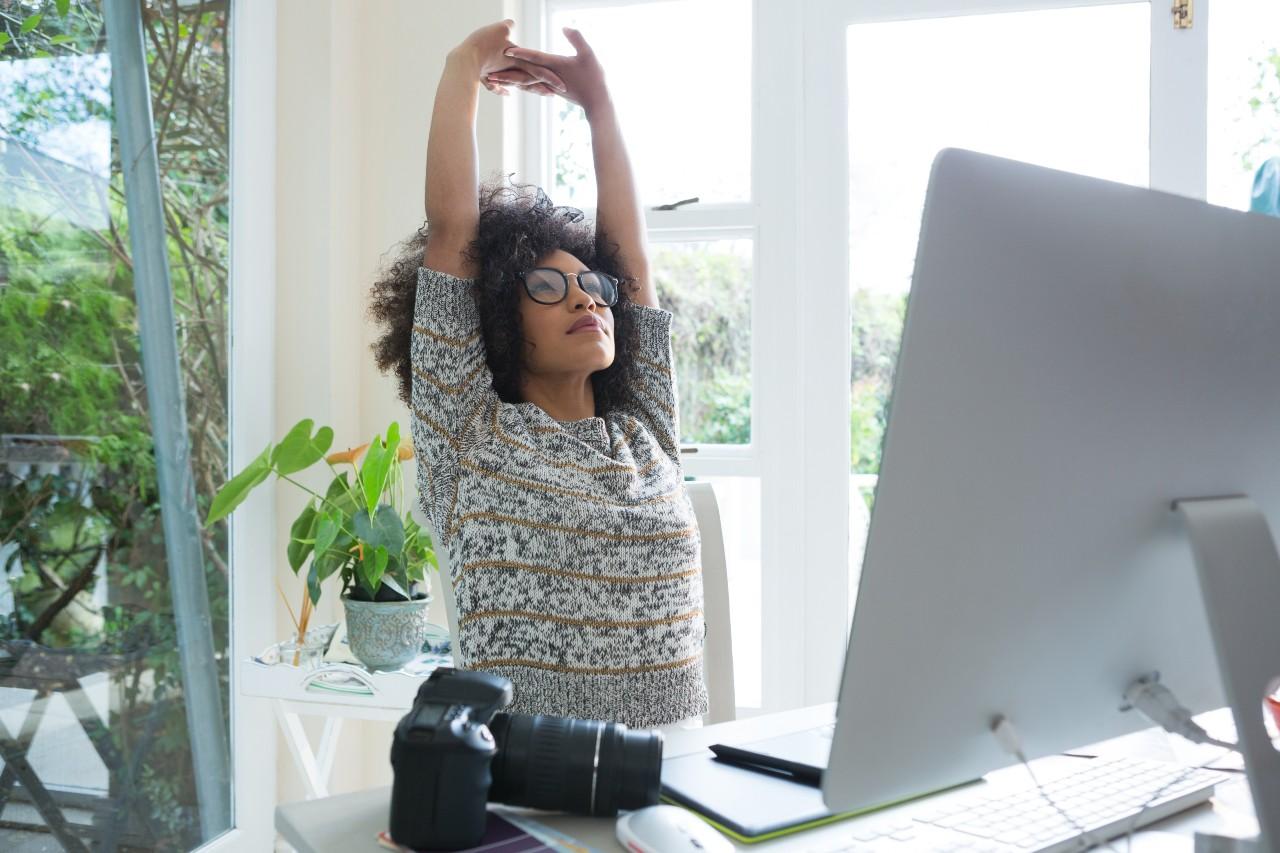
338,689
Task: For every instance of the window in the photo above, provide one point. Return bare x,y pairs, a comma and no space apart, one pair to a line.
96,690
848,103
696,149
917,86
1244,97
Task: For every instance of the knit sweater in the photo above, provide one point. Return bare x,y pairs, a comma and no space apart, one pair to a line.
573,549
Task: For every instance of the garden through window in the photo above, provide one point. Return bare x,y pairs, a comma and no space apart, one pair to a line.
94,693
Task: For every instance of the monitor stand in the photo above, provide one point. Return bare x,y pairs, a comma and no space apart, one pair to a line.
1239,571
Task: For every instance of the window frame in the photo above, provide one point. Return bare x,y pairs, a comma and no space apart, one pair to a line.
1178,164
770,220
252,204
798,218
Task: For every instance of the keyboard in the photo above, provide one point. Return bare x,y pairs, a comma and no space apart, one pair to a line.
1103,798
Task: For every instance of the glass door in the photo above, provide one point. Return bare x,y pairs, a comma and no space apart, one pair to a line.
112,737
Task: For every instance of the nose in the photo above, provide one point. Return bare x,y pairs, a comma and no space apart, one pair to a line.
577,285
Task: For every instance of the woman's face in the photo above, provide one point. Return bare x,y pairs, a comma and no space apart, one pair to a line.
550,347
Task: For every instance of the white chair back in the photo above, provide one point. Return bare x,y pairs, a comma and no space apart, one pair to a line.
718,643
446,592
717,657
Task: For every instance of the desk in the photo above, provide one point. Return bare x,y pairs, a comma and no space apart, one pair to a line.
349,822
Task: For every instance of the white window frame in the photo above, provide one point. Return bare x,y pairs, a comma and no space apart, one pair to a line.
775,453
252,410
798,216
1178,164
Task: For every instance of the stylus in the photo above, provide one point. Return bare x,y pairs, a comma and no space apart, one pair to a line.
769,764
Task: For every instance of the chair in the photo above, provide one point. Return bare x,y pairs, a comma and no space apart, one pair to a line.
718,644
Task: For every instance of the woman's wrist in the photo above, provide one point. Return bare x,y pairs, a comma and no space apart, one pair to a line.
599,110
464,58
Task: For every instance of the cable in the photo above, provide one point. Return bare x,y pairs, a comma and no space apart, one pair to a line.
1187,771
1158,704
1008,738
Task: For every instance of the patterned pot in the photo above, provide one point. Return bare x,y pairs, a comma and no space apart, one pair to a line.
386,634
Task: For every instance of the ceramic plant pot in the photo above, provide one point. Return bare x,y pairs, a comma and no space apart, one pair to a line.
386,634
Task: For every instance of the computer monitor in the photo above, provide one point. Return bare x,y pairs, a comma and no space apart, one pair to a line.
1077,355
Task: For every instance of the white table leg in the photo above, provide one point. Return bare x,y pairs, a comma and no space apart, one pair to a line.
296,737
328,747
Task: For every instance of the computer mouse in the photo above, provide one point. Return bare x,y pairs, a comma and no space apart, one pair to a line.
669,829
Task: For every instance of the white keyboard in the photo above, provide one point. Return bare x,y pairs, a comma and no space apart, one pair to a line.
1102,798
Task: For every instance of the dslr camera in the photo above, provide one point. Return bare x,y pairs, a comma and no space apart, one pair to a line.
455,751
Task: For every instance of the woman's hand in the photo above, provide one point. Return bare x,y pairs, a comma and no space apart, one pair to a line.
581,74
485,47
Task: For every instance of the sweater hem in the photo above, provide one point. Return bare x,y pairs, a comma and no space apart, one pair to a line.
640,700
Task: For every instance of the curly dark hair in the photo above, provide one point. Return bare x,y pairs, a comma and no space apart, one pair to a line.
515,229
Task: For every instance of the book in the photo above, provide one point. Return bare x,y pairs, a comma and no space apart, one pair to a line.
507,834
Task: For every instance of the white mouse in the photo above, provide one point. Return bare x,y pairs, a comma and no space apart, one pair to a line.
669,829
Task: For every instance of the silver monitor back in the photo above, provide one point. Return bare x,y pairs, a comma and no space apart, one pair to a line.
1076,355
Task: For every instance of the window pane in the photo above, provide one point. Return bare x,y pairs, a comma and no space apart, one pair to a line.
707,286
92,685
738,499
696,144
1244,97
1079,101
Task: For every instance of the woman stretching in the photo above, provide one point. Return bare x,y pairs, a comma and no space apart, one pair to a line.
537,364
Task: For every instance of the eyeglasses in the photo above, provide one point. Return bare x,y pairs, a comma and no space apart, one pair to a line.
549,285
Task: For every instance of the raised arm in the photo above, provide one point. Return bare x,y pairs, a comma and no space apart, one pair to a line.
619,217
453,398
453,172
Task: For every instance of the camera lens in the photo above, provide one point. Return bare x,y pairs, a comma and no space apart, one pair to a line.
582,766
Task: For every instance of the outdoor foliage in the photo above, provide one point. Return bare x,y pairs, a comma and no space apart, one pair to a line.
71,380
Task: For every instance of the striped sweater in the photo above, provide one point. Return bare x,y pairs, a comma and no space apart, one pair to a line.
573,549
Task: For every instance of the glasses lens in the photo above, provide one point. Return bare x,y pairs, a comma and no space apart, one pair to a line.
545,285
600,286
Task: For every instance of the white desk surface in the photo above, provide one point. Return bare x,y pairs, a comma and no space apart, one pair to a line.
349,822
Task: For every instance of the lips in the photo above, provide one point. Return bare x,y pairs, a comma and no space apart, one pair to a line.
587,322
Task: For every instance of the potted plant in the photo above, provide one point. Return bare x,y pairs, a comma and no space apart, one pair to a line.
358,529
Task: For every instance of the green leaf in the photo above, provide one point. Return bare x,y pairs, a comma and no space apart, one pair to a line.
334,558
378,460
338,487
313,584
383,530
302,537
63,7
4,39
339,497
327,530
392,582
299,449
62,39
30,24
371,570
238,487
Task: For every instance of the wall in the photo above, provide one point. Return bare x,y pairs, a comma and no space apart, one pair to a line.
355,87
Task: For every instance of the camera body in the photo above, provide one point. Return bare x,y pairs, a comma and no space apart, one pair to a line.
454,751
441,755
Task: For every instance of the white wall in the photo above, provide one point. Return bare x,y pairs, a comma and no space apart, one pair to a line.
355,87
